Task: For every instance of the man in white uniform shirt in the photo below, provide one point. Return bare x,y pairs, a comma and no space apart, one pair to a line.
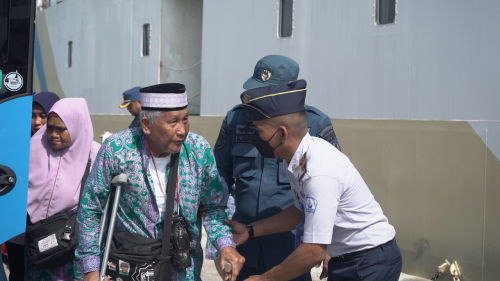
334,209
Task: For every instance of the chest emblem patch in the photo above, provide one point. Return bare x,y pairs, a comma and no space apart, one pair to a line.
244,133
311,204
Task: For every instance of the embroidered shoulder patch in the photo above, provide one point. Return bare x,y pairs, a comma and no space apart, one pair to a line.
221,140
328,134
325,130
311,204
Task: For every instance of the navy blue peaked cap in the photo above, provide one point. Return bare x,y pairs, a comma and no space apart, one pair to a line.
272,101
130,96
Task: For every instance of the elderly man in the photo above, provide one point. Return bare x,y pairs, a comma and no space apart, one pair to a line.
144,154
333,207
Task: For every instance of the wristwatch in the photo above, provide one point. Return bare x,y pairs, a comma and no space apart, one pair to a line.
250,231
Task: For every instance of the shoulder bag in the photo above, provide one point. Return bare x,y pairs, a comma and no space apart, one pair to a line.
52,242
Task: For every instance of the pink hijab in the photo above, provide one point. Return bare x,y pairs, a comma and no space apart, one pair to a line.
55,174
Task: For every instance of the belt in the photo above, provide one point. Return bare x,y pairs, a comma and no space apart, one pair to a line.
353,254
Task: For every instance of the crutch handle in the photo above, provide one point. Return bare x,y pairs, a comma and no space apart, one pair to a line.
120,179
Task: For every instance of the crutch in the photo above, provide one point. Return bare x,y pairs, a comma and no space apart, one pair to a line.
104,219
117,181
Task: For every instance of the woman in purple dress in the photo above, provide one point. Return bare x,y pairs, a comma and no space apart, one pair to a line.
58,158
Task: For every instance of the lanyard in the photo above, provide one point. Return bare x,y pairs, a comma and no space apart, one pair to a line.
158,177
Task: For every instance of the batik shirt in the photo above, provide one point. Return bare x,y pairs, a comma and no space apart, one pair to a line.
199,183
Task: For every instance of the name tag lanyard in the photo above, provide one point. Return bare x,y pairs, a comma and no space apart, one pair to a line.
158,177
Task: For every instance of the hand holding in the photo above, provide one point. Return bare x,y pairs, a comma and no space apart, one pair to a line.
230,255
240,232
324,273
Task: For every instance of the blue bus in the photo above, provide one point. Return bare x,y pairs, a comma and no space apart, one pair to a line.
16,73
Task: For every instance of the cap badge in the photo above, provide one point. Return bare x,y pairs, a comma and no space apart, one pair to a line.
265,75
246,98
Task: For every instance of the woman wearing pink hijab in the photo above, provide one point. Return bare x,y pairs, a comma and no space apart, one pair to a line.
58,158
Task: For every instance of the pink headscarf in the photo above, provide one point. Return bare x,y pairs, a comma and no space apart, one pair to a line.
55,174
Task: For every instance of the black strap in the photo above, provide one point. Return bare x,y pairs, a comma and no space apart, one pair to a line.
169,211
84,179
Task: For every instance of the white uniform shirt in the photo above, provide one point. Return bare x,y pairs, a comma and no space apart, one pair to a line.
339,209
160,187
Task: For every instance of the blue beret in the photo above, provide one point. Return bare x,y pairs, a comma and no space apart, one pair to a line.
272,101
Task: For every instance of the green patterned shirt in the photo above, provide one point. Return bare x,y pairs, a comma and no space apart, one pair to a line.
199,184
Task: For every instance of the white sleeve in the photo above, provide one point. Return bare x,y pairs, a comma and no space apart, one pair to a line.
320,209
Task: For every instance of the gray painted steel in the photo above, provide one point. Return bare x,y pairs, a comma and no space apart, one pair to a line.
440,61
490,134
181,46
107,48
107,42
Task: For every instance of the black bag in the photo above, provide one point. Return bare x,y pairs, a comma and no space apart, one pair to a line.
181,243
134,257
52,242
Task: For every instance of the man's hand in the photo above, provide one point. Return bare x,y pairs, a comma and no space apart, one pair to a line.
94,276
230,255
324,273
240,232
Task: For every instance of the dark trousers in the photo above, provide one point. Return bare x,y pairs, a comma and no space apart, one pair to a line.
16,261
248,271
380,265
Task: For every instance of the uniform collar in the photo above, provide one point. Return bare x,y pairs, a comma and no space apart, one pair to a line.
294,165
